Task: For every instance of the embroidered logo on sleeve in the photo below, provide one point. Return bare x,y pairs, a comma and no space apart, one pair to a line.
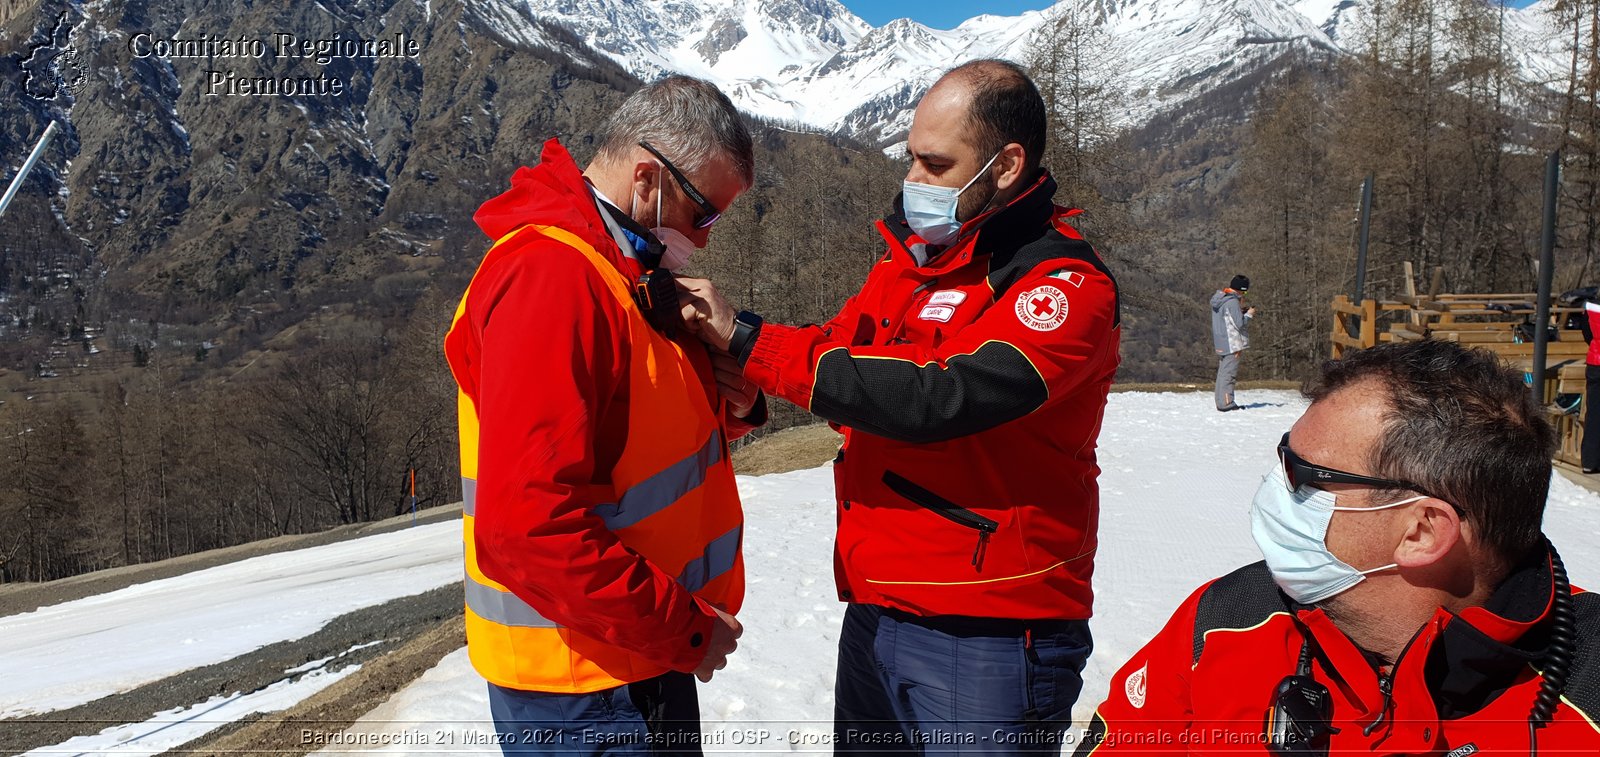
1135,687
940,313
1042,308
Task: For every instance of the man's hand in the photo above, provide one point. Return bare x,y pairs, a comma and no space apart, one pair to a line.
732,385
1250,311
706,312
725,633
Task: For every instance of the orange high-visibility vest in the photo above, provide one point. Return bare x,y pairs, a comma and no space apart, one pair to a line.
672,499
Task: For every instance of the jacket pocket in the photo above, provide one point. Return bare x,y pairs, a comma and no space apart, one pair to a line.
946,509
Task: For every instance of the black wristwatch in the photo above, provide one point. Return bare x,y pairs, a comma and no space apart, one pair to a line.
746,327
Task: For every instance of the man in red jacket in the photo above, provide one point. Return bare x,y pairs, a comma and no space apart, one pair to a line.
1408,603
968,377
602,524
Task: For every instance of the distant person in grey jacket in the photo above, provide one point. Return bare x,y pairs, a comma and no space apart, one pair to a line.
1230,335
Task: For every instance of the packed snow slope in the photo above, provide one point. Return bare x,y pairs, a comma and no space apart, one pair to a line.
75,652
1175,493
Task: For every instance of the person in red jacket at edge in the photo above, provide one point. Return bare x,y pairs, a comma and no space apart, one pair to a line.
1408,603
968,377
602,524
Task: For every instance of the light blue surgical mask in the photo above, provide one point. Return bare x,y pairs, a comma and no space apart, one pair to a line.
1291,528
931,210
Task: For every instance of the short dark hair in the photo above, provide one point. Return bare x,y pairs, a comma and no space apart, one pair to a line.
686,118
1005,108
1462,425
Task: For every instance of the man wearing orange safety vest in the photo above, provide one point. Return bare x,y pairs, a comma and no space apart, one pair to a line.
602,525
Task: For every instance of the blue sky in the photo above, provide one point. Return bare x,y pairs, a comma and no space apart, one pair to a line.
946,14
939,14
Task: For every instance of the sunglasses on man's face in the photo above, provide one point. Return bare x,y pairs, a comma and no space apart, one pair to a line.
1298,472
708,213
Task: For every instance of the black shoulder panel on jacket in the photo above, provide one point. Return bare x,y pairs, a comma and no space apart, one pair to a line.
1006,266
923,404
1093,736
1241,599
1583,681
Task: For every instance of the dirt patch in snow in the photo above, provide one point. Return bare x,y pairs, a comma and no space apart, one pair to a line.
334,709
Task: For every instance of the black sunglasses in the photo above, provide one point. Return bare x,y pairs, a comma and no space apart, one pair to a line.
1298,472
708,212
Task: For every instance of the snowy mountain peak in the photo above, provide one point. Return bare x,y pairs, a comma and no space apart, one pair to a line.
826,20
815,62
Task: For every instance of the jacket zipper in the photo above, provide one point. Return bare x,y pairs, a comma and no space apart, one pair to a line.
948,510
1386,684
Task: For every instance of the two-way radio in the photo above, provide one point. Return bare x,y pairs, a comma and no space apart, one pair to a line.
656,294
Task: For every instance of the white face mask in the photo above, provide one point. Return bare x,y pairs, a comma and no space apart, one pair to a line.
678,247
931,210
1291,528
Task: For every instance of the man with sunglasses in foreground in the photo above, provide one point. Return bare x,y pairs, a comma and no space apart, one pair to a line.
602,524
1408,603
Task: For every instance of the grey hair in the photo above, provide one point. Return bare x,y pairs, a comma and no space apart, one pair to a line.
689,120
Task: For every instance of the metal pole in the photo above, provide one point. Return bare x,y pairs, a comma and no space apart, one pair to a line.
38,150
1366,232
1547,264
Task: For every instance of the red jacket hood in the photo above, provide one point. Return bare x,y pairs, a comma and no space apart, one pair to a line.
552,193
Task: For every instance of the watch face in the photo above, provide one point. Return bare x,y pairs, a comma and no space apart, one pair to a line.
745,326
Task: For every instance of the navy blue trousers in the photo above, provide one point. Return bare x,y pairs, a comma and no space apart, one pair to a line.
657,716
955,686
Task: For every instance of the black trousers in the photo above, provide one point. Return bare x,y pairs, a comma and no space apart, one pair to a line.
1591,418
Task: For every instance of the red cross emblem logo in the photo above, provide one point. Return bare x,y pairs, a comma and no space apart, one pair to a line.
1043,308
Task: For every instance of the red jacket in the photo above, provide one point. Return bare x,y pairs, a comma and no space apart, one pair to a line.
970,393
1591,315
551,391
1464,685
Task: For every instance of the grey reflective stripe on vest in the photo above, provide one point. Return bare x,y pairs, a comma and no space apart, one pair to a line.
503,607
469,497
657,492
718,558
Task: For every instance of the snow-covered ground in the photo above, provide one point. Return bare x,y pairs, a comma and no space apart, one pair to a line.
149,631
1175,492
174,728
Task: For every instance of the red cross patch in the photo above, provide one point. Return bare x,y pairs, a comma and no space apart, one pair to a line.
1042,308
